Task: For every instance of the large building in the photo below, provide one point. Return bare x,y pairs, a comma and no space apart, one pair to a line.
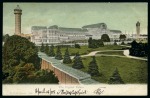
55,34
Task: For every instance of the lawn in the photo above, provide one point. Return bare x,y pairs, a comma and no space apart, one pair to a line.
120,53
85,50
131,71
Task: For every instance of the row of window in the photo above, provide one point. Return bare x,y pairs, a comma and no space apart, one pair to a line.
50,40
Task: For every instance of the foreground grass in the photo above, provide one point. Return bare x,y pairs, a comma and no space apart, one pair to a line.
131,70
85,50
112,53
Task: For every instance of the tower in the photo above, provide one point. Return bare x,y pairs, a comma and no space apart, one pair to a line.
138,29
18,13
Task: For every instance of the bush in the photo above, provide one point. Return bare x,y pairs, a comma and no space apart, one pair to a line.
93,43
105,38
115,78
115,43
138,49
93,68
58,55
67,59
122,43
77,63
77,46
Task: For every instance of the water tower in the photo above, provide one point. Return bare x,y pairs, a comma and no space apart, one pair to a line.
18,13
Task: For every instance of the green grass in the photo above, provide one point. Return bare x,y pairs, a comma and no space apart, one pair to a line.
143,41
131,71
85,50
120,53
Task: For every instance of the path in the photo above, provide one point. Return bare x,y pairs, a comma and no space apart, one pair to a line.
93,53
126,46
125,52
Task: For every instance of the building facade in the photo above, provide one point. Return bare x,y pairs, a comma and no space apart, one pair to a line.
56,35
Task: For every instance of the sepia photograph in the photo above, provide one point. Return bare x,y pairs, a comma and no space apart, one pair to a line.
75,49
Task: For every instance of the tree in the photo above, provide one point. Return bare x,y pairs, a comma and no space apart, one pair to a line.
67,59
146,49
17,49
115,43
90,42
134,44
77,46
58,55
42,48
122,37
20,61
93,43
138,49
93,68
51,52
100,43
105,38
23,73
115,78
77,63
5,37
45,76
122,43
46,49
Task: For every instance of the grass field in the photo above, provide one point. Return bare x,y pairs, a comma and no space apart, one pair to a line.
112,53
131,70
85,50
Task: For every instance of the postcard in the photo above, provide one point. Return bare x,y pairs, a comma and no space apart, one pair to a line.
75,49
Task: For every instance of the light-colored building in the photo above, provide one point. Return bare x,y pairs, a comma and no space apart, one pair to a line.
56,35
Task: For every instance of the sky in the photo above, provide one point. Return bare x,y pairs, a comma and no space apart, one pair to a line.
117,16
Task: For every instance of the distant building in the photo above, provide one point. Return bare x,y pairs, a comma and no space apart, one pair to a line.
138,29
55,34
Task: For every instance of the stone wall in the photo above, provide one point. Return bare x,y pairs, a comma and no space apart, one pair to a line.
64,78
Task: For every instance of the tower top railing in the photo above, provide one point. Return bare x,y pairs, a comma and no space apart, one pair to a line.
17,8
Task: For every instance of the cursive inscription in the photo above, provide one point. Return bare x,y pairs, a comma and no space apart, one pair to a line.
59,92
99,91
72,92
44,91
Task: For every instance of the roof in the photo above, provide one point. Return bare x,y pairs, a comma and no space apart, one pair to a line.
138,23
38,27
53,27
17,8
81,76
115,31
89,81
72,29
98,25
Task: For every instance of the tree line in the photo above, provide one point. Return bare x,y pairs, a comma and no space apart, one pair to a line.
138,49
77,63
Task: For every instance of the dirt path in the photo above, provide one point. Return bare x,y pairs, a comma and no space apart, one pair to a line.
125,52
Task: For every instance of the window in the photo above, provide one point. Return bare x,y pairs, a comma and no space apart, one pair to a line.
44,40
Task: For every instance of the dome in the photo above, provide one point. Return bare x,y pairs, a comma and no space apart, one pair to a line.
17,8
